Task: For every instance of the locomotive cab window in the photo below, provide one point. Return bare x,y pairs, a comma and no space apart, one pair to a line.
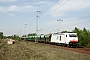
72,35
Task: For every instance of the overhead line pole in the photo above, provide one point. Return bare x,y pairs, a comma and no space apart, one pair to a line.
25,31
58,23
20,33
36,38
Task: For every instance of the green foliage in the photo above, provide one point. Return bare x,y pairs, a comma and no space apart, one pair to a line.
64,31
1,35
15,37
83,36
33,34
24,36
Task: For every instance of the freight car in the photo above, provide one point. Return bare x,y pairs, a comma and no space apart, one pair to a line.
65,39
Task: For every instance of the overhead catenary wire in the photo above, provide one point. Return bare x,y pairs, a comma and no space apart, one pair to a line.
58,2
79,24
77,18
53,5
68,22
57,7
54,28
60,6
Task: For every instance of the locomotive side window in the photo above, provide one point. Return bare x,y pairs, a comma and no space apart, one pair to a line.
60,38
66,35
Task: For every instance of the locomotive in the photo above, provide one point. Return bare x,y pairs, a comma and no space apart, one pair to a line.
66,39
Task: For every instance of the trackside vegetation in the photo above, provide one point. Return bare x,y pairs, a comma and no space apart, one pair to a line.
1,35
83,36
26,50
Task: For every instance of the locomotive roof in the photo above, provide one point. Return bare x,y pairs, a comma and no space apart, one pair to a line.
67,32
58,33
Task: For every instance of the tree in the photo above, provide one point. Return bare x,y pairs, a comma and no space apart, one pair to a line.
15,37
33,34
83,36
1,35
86,36
64,31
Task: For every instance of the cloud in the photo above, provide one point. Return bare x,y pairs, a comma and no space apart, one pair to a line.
43,2
36,2
7,0
18,8
52,22
72,5
13,8
10,8
26,7
11,14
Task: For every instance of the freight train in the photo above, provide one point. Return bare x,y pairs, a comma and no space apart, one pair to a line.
66,39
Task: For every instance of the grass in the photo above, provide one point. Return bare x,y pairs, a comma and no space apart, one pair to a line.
22,50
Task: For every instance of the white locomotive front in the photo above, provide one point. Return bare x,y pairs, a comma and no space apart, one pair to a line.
67,39
71,39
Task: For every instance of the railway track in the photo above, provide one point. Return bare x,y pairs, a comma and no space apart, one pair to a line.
79,50
83,50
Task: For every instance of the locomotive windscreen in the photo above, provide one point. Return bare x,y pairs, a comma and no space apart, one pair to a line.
72,35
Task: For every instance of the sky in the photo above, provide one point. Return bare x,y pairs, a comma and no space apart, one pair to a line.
18,17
